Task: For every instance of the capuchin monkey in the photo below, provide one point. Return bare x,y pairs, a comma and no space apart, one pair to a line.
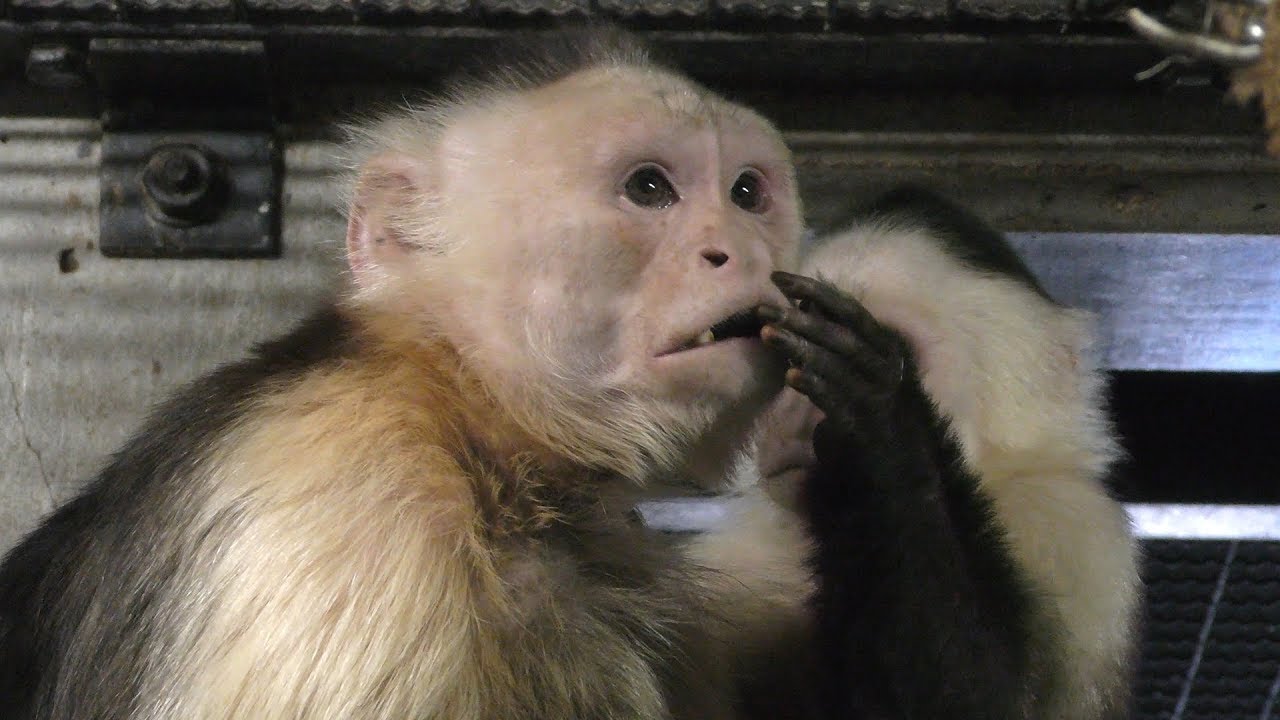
567,286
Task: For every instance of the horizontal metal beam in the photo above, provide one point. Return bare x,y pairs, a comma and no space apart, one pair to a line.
1205,522
1039,182
1169,302
1151,521
1003,55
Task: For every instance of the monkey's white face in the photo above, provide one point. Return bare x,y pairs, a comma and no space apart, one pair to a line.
601,228
621,216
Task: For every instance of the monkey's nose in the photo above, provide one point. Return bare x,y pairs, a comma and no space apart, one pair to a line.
715,257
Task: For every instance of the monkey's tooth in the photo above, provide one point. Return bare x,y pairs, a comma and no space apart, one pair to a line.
706,338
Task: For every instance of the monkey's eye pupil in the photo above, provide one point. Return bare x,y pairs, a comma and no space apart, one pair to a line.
748,193
648,187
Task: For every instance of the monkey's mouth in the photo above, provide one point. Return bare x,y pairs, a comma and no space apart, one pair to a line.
742,324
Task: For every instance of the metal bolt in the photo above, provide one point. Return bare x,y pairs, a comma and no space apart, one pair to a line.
55,66
183,184
178,172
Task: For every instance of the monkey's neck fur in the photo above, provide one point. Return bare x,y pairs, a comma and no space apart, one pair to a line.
523,482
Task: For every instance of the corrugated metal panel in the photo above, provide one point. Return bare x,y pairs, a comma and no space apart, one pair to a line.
414,7
656,8
894,9
1037,10
64,9
88,343
184,9
327,10
524,8
768,9
710,12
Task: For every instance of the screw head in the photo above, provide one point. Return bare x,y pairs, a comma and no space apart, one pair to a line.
182,184
179,172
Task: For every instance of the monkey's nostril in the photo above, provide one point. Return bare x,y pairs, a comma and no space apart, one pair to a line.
715,257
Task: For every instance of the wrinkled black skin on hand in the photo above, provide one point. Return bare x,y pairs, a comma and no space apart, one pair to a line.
920,611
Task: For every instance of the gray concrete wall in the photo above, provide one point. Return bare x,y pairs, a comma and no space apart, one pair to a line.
84,353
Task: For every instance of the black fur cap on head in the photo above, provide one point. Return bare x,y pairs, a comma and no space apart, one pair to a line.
538,58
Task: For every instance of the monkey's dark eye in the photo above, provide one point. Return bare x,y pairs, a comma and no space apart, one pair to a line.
648,187
748,192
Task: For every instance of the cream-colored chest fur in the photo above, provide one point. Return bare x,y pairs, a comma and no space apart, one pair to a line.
368,583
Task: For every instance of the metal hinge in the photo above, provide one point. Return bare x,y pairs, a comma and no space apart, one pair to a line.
190,166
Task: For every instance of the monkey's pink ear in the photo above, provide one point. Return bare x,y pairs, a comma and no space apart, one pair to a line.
387,193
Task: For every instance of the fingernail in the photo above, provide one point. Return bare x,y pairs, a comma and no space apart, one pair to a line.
769,313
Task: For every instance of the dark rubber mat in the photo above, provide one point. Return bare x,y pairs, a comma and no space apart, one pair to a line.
1211,649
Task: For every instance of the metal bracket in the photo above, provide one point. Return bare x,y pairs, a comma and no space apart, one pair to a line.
190,165
188,195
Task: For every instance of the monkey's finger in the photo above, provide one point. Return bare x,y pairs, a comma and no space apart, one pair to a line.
836,305
806,384
823,394
842,384
795,349
864,357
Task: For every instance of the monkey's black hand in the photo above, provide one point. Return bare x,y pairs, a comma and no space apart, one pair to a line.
879,425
